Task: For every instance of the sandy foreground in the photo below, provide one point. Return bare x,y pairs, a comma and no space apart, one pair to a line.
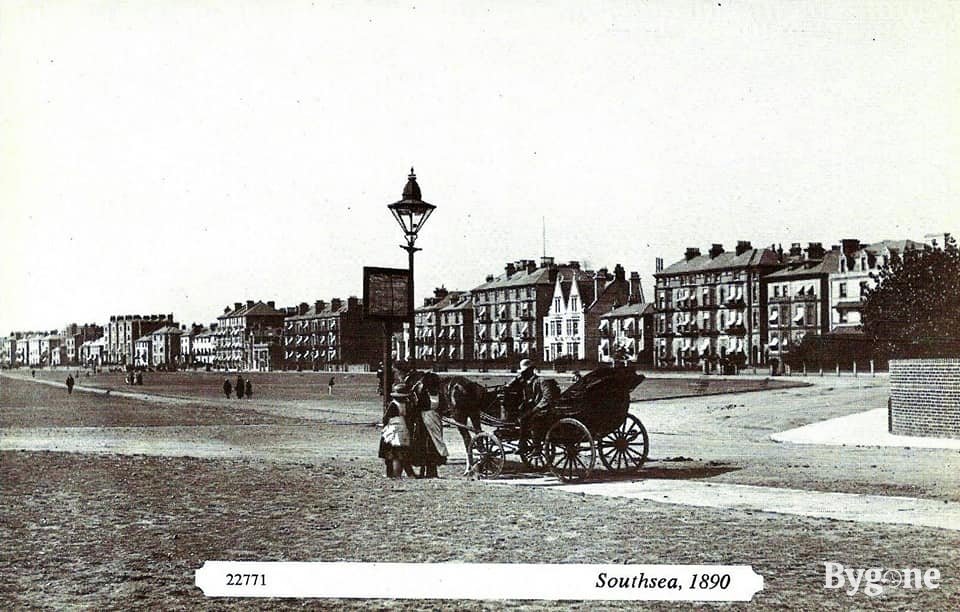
151,489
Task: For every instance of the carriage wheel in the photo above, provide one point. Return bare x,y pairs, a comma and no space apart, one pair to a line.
534,456
626,447
486,455
570,451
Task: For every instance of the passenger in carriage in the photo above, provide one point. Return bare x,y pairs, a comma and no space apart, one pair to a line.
535,396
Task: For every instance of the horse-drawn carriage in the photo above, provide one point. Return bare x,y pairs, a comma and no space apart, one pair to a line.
590,418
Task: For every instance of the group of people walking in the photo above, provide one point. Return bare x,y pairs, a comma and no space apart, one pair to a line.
243,388
412,434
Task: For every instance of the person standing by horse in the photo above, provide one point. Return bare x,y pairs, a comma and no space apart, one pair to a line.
395,436
427,448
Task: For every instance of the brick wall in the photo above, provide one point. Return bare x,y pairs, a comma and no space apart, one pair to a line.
925,397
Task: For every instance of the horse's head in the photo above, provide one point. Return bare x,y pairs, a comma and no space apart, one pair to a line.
430,381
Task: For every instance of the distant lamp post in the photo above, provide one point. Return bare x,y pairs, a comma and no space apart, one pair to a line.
411,213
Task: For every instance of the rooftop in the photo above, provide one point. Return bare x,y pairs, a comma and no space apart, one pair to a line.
639,308
829,263
723,261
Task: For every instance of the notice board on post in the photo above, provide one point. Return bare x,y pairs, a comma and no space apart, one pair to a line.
386,294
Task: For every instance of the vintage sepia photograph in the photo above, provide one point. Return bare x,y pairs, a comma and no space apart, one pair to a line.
525,305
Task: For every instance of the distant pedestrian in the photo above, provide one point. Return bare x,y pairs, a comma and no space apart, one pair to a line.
33,373
380,379
69,384
140,378
330,386
227,387
239,387
248,389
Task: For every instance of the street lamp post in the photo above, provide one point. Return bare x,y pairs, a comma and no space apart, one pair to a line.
411,213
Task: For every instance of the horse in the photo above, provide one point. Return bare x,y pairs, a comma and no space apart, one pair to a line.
459,399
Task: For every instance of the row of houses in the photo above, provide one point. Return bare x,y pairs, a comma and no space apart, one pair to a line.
251,335
746,306
545,311
753,305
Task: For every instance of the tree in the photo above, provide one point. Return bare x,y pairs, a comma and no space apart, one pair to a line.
914,310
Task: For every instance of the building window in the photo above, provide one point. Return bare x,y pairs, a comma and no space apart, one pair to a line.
556,304
576,327
573,303
843,290
864,287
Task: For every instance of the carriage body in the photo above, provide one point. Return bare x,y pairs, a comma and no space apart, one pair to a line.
589,418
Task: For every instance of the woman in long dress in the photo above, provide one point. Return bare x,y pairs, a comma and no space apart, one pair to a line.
427,447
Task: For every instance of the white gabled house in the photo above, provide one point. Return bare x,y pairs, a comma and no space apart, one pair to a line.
573,328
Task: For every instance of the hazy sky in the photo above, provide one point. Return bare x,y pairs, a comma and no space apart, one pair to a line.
180,156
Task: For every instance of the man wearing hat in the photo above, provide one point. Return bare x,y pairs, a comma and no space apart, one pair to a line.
530,387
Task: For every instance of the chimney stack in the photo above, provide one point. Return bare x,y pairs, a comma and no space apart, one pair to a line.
510,269
250,303
302,308
619,274
546,262
691,253
715,250
743,246
237,305
439,293
335,304
795,250
636,288
272,304
815,250
489,278
353,302
850,246
531,266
